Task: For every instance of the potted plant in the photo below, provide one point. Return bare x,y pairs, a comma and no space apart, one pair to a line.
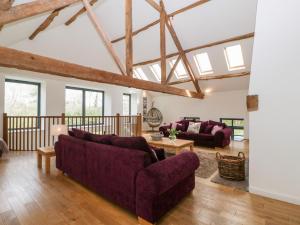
173,132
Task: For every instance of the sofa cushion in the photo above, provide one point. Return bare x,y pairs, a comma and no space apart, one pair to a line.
211,122
80,133
194,127
208,129
215,129
138,143
71,133
185,124
101,139
203,126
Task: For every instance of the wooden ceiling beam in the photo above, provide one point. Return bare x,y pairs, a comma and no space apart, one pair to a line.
46,22
212,77
80,12
154,5
189,7
181,51
33,8
5,4
103,36
237,38
163,62
173,70
128,40
12,58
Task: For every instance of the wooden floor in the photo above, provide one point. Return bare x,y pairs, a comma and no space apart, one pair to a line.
28,196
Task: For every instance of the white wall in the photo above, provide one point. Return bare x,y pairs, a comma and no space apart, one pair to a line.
274,128
215,106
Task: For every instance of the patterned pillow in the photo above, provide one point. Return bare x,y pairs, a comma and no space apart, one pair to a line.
194,127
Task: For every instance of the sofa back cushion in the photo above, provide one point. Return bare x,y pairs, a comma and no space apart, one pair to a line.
185,125
81,134
203,126
101,139
138,143
208,129
211,122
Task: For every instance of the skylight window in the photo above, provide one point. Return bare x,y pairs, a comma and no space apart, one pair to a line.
180,71
156,70
234,57
139,74
203,63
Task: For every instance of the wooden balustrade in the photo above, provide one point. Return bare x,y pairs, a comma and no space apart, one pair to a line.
27,133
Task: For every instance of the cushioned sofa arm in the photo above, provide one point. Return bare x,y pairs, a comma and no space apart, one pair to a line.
222,137
158,179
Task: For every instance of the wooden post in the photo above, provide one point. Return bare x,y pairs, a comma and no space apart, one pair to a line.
5,127
63,118
118,124
139,125
128,37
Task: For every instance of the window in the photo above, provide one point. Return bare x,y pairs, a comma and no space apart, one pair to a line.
237,126
22,98
234,57
156,71
203,63
84,102
180,71
139,74
126,104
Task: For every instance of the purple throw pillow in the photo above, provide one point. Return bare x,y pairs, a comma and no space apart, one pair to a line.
203,126
138,143
101,139
211,122
208,129
71,133
80,133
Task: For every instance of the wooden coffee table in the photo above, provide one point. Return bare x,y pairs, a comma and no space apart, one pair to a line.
176,145
47,152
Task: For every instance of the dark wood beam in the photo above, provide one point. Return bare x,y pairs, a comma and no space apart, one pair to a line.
46,22
5,4
31,9
80,12
31,62
103,36
212,77
128,42
237,38
189,7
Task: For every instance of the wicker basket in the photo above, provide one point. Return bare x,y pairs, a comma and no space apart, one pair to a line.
231,167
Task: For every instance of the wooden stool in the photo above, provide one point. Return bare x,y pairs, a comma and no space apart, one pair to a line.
48,152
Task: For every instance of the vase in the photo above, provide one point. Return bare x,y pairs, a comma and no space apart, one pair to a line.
172,137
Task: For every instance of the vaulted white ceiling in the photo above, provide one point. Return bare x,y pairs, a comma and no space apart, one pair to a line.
79,43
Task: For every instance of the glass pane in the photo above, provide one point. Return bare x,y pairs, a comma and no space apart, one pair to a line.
234,57
21,99
156,71
238,123
203,63
238,132
180,71
139,74
126,105
93,103
74,102
227,122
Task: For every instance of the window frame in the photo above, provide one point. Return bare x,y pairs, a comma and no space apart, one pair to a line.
84,90
157,76
198,64
126,94
233,68
235,127
30,83
137,75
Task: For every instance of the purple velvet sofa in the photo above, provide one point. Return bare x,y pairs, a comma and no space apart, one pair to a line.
128,176
204,138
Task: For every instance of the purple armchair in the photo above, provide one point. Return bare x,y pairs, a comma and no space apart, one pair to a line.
127,176
221,138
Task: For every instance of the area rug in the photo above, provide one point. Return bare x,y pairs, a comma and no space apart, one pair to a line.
208,164
241,185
